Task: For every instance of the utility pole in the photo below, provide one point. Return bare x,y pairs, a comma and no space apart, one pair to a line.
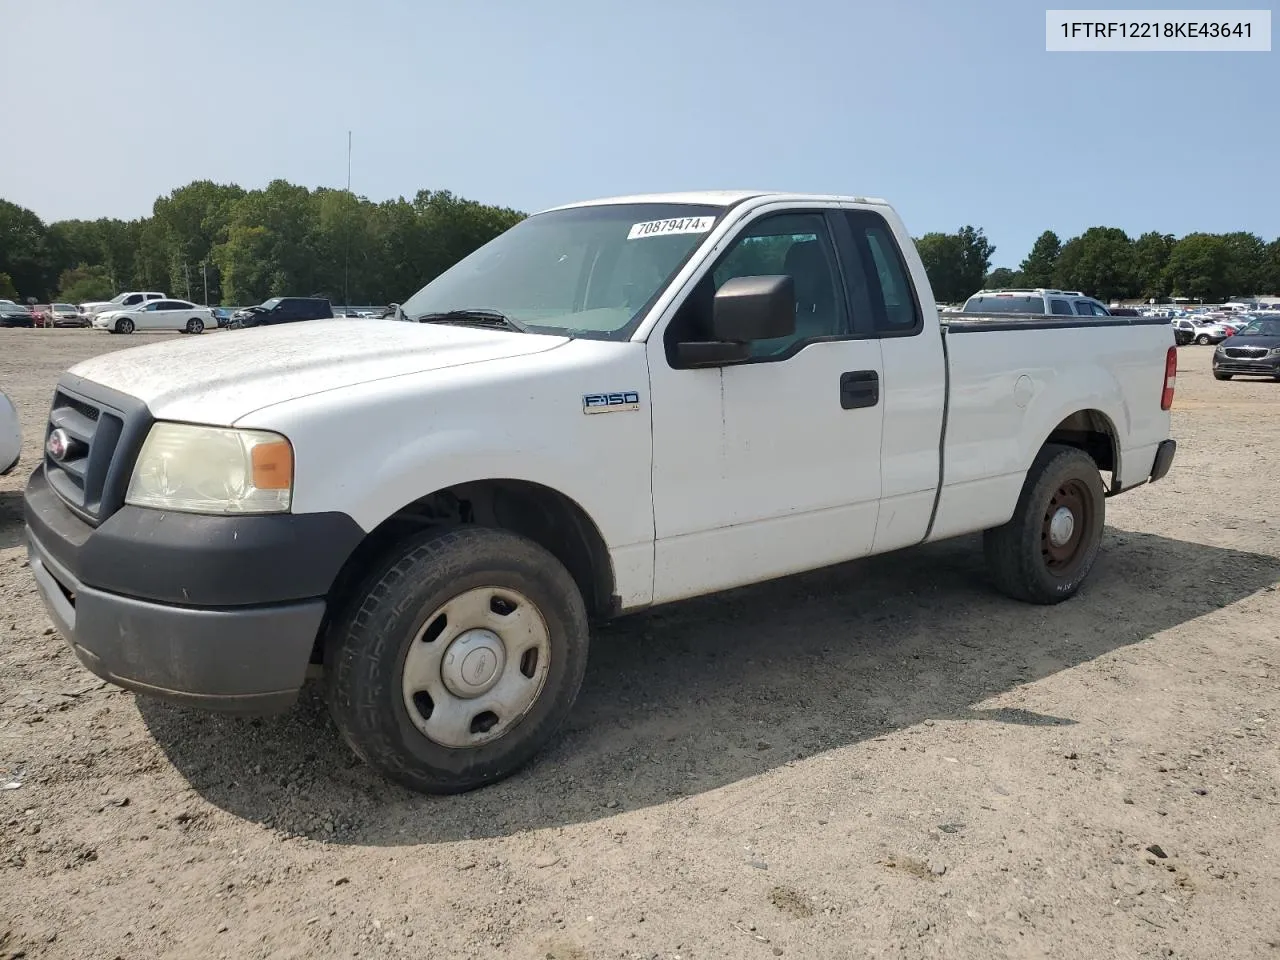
204,268
346,234
187,271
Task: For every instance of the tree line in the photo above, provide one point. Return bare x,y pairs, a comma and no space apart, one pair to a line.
218,243
1106,263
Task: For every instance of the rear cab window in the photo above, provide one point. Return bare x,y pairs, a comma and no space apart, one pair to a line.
1059,307
1029,303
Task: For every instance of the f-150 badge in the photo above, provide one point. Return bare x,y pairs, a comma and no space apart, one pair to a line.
610,402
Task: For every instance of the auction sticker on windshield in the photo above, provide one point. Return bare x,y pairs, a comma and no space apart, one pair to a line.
661,228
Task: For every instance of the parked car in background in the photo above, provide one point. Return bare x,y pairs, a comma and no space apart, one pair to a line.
1253,352
40,316
66,315
284,310
223,315
181,315
10,435
15,315
1037,302
123,301
1200,331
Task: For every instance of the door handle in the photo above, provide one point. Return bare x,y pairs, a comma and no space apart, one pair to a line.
859,388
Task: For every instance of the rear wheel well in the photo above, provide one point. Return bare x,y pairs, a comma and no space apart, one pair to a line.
1093,432
542,514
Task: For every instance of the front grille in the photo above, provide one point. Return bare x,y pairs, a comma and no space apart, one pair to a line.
1246,353
106,430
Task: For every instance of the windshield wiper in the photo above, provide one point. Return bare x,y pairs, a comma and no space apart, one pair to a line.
483,316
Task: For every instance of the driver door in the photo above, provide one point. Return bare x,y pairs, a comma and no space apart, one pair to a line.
772,466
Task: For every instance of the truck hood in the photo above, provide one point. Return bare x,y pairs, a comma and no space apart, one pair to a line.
218,378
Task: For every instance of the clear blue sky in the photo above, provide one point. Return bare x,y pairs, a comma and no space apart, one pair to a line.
951,110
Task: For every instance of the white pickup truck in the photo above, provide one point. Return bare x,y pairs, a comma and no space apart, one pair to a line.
613,405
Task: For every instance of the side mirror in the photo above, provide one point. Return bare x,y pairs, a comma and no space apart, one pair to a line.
744,309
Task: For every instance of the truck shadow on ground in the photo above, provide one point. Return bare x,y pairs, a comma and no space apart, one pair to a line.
709,692
11,522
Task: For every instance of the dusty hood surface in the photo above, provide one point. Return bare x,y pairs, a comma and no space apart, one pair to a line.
219,377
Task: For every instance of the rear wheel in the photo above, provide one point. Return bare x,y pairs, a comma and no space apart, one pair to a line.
195,325
1203,339
1046,550
124,325
458,659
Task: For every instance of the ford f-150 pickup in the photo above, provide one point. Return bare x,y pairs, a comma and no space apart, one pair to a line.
613,405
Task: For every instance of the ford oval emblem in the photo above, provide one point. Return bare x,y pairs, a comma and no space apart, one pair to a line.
58,444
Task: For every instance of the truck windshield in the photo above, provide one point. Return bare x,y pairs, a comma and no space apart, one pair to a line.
584,271
1005,303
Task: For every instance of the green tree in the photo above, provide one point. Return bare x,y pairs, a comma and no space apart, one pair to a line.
1246,263
84,283
1099,262
1038,268
1269,277
7,290
24,253
1199,267
1002,277
1150,263
956,263
194,219
944,264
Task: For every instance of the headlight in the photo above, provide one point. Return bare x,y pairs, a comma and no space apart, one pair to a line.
213,470
1275,352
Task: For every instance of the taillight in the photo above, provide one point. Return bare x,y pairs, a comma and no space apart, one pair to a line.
1170,376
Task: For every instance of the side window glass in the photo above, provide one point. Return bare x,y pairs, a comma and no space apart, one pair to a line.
132,301
799,245
884,274
1060,307
1100,311
1084,308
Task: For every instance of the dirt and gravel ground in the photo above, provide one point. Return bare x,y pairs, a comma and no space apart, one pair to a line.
886,759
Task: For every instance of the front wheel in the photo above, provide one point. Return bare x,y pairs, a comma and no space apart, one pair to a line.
1222,376
458,659
195,325
1203,340
1046,550
124,326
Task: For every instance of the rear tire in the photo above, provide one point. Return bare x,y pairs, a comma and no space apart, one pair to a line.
1043,555
1203,340
195,325
124,326
430,613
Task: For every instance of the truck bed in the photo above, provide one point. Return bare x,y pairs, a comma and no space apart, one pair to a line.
1014,385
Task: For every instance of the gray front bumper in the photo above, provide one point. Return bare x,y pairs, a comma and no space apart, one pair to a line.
249,660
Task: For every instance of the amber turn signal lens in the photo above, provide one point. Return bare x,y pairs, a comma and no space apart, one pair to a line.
273,465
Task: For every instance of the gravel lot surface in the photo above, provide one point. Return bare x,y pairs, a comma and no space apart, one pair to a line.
885,759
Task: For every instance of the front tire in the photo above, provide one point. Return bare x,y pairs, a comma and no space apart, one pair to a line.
1222,376
458,659
1046,550
124,326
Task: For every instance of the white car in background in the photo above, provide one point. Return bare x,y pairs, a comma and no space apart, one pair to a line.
181,315
10,436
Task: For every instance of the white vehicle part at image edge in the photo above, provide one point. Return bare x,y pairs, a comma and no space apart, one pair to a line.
10,436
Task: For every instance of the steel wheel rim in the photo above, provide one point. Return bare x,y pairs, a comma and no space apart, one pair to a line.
1062,555
476,667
